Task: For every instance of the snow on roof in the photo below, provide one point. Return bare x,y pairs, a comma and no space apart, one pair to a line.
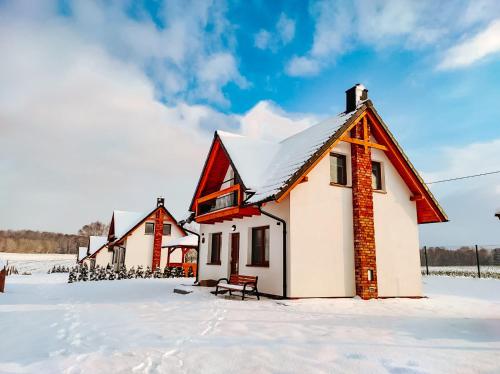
96,242
124,221
188,241
2,264
265,167
82,253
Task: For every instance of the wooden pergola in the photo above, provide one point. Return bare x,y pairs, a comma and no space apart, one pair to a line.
185,243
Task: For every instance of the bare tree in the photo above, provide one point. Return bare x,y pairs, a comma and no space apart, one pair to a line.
95,228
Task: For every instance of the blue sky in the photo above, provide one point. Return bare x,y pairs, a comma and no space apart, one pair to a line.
104,82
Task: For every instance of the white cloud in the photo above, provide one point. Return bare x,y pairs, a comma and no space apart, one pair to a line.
172,54
217,71
284,34
267,121
474,49
424,25
263,39
285,28
82,131
302,66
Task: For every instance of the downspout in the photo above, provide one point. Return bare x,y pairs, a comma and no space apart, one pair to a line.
282,221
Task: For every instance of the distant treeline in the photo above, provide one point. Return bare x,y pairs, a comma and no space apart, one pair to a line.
463,256
29,241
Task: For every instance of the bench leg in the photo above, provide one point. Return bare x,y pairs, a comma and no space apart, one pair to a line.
257,293
230,293
216,290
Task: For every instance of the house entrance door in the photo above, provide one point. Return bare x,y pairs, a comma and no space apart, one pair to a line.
235,252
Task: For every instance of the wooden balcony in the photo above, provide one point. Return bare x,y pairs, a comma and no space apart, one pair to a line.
222,205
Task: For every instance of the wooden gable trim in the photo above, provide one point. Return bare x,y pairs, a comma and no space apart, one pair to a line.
148,216
421,193
386,143
209,162
322,152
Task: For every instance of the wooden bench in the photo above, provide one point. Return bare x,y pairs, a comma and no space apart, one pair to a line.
245,284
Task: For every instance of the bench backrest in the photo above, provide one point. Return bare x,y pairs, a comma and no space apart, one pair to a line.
242,279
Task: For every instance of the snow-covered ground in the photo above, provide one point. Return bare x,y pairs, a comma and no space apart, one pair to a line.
141,326
37,262
471,269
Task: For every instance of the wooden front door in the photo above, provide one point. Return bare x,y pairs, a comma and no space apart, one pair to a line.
235,252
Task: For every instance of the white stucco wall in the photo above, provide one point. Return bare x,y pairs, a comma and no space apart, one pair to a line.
104,257
270,278
139,246
396,235
321,233
86,262
175,256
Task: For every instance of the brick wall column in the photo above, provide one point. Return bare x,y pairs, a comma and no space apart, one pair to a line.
363,223
159,217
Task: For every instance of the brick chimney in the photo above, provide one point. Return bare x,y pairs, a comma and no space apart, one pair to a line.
354,95
158,233
362,206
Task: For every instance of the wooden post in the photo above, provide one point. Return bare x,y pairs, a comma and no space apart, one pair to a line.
3,274
477,262
426,262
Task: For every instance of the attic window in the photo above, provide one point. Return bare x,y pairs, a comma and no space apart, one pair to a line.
167,229
376,175
149,228
338,169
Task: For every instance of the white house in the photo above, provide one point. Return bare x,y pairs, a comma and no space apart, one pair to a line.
332,211
82,254
137,239
87,254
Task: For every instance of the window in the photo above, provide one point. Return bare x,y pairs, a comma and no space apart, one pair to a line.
167,229
376,175
215,245
260,246
118,256
338,169
150,228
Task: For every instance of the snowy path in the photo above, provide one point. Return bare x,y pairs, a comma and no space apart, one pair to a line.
141,326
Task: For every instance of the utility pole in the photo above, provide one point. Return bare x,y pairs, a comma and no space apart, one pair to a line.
477,262
426,262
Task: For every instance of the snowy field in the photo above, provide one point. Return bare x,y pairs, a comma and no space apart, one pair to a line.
141,326
37,262
463,271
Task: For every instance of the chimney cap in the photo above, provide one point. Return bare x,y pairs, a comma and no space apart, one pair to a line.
354,96
160,201
359,86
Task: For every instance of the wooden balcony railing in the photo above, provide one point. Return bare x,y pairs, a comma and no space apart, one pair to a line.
217,201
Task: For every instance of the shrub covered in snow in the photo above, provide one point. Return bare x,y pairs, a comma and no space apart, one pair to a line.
81,273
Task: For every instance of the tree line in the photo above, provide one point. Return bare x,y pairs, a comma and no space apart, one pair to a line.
463,256
30,241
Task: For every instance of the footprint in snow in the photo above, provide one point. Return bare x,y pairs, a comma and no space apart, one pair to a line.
61,334
355,356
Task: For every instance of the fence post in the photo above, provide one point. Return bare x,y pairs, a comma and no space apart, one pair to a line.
477,262
426,263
